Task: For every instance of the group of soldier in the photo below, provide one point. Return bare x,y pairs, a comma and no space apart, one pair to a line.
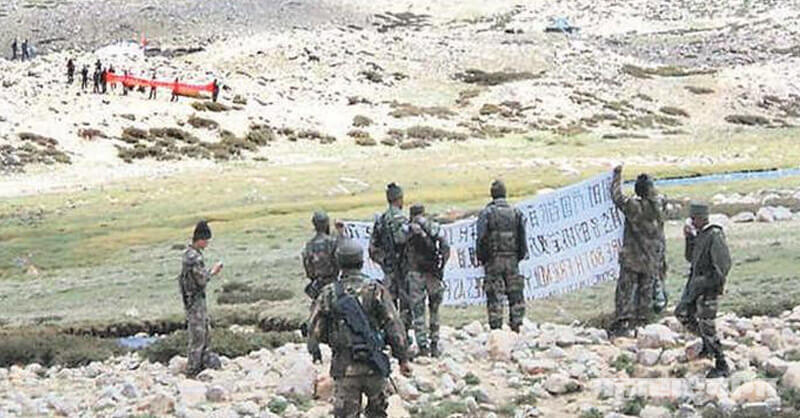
358,317
22,52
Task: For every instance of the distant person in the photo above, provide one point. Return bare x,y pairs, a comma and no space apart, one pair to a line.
153,87
215,91
104,80
84,77
25,53
98,65
14,49
174,97
70,71
319,256
112,72
96,81
193,280
125,83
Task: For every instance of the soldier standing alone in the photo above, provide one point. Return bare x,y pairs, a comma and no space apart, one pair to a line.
427,254
193,279
707,251
642,254
501,246
350,315
387,248
319,256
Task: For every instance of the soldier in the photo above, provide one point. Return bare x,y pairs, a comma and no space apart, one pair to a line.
14,49
707,251
501,246
427,254
84,78
70,71
25,52
387,248
193,279
215,91
642,254
319,256
350,315
174,97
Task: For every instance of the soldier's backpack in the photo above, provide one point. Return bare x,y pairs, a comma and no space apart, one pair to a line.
321,258
364,342
426,246
503,225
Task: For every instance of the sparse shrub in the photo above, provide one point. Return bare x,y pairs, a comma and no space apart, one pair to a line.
634,406
199,122
471,379
54,349
245,293
209,106
90,134
623,362
223,342
749,120
442,409
674,111
361,121
483,78
592,413
699,90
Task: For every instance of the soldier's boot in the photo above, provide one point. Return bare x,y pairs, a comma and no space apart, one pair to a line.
515,328
720,369
435,349
423,352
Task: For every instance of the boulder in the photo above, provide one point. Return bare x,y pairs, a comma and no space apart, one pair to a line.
247,408
656,336
299,379
500,344
772,339
775,367
538,366
651,411
744,217
559,384
474,328
765,215
791,378
177,365
648,356
396,408
753,391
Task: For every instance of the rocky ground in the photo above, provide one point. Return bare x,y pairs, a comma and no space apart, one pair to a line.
549,371
402,76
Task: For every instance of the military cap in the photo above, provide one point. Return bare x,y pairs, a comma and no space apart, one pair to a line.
201,231
320,220
498,189
349,254
416,209
698,209
393,192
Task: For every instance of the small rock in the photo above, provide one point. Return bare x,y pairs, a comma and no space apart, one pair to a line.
396,408
656,336
754,391
775,367
159,404
791,378
500,344
693,349
744,217
471,404
299,379
648,356
474,328
772,339
323,387
651,411
216,393
177,365
191,392
247,408
559,384
129,390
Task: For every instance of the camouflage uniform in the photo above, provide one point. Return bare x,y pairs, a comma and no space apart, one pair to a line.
387,247
642,257
319,261
427,254
710,263
351,378
501,246
193,279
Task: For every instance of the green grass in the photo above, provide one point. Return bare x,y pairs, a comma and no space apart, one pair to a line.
113,253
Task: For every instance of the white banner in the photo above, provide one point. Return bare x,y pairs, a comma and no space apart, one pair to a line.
574,236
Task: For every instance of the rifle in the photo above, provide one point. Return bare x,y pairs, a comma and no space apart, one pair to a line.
370,347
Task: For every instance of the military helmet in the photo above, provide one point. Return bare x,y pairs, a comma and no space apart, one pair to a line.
349,254
498,189
393,192
320,220
416,209
201,231
643,185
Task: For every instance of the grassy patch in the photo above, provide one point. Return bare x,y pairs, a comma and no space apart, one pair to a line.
699,90
238,293
634,406
441,409
198,122
406,110
210,106
625,363
360,121
53,349
471,379
749,120
483,78
223,342
665,71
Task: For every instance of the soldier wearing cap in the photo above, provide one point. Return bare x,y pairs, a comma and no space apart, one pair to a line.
319,256
387,248
427,254
707,251
501,245
642,257
192,280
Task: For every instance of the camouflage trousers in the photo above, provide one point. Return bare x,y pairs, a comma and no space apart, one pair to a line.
697,314
634,298
395,281
199,340
424,286
347,393
502,277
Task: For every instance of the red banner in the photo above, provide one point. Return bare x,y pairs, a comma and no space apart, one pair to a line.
183,89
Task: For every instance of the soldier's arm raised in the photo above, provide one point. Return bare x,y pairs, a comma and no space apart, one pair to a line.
621,201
